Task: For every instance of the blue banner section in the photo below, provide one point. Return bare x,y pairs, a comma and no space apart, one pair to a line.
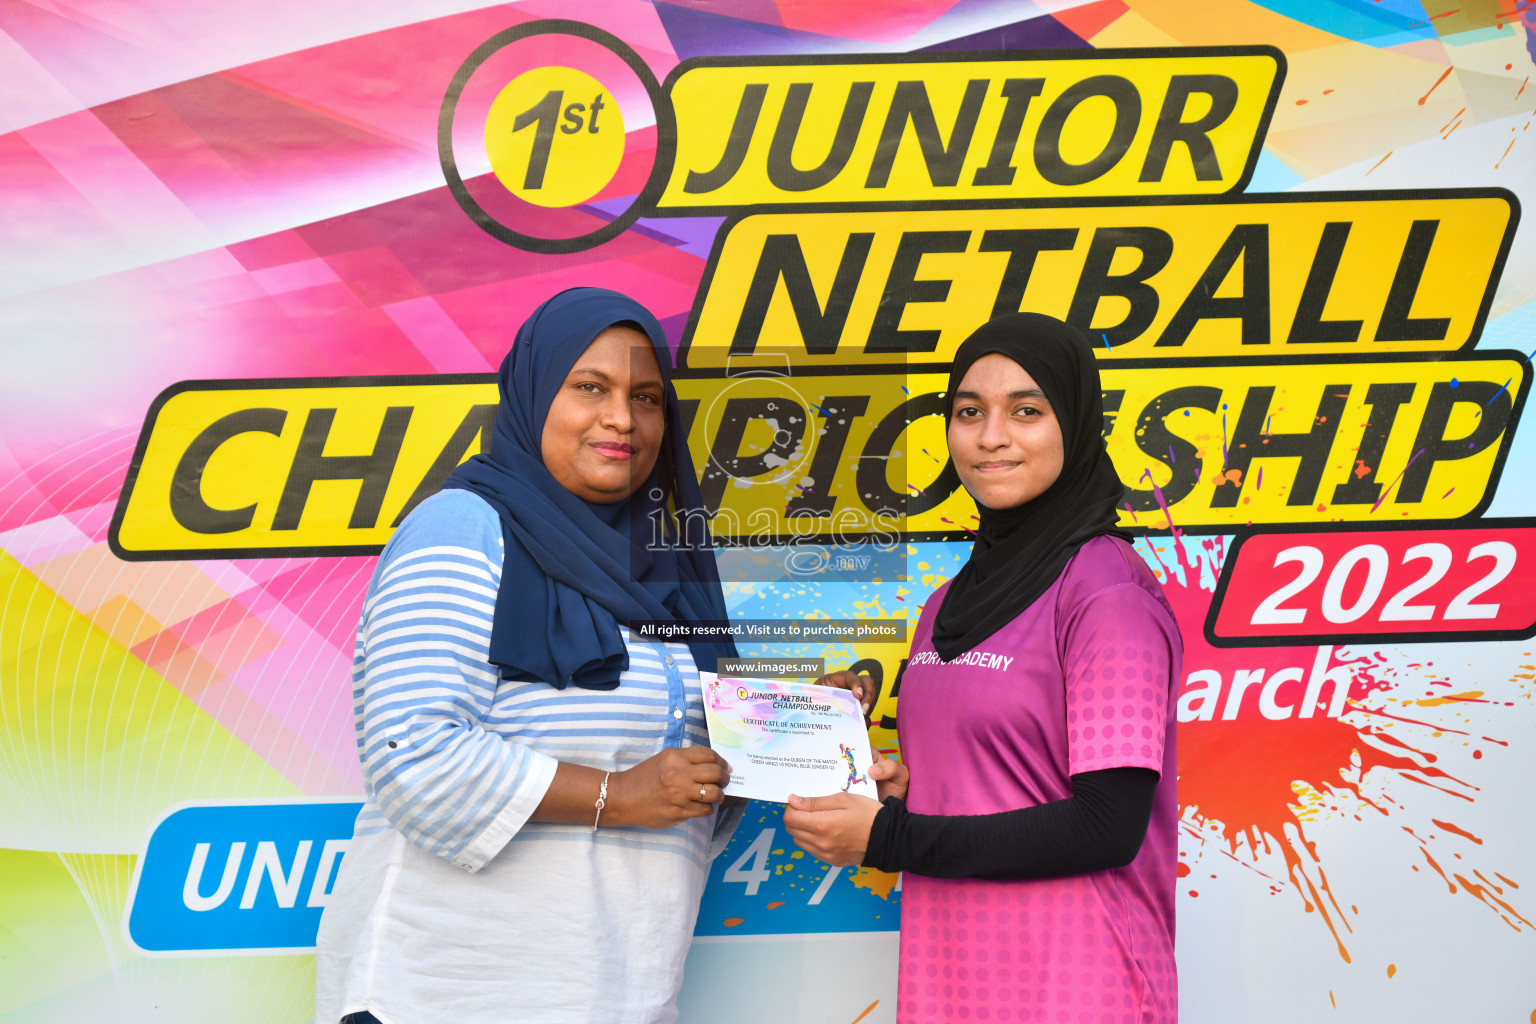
763,884
238,877
254,877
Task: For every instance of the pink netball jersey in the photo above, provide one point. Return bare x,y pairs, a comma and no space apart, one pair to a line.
1084,679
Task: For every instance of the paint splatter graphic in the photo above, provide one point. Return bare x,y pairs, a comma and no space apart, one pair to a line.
876,881
1273,740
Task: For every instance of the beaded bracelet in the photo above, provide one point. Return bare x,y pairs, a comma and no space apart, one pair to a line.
602,798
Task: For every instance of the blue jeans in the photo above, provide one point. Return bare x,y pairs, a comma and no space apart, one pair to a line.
360,1018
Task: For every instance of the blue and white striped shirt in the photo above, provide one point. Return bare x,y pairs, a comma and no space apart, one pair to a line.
450,903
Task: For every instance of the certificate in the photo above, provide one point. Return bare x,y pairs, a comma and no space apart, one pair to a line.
782,737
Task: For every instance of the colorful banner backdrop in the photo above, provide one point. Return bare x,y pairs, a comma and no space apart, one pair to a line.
260,265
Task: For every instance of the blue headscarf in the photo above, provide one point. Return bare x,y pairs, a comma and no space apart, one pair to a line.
572,571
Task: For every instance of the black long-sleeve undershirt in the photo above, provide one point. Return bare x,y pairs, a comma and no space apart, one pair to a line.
1101,825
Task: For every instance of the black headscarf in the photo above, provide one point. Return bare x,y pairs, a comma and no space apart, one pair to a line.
1019,552
573,570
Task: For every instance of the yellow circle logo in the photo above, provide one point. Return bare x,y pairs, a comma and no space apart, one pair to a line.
741,692
555,136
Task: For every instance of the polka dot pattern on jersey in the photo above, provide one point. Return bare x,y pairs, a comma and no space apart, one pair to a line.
1082,680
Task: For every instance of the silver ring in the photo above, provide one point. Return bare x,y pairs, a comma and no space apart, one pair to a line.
703,793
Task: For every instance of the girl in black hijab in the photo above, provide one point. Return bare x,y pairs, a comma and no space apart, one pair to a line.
1036,720
1020,551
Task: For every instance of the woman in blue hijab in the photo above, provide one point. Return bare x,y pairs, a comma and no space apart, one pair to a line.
542,801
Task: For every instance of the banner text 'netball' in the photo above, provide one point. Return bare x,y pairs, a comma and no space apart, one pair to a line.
1316,274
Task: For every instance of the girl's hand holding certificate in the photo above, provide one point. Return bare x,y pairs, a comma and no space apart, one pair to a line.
836,828
787,738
